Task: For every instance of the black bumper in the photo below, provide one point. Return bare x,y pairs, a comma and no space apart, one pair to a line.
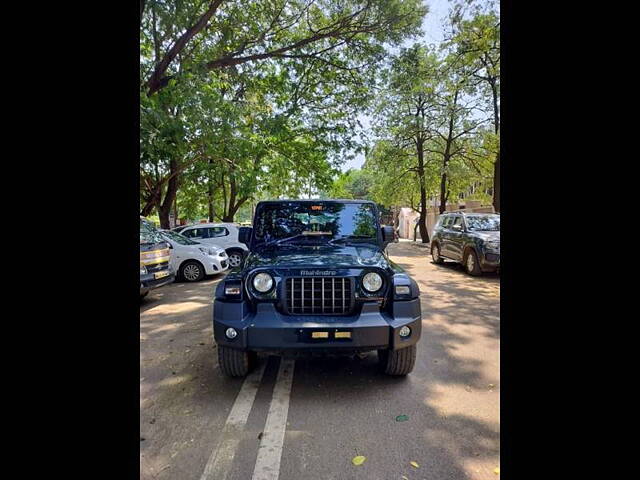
267,329
490,262
148,282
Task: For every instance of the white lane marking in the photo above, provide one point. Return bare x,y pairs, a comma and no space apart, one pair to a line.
270,449
219,462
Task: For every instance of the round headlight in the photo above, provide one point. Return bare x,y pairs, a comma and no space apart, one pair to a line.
372,282
263,282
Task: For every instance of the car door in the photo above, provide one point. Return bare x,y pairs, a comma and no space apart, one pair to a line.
444,235
456,238
220,236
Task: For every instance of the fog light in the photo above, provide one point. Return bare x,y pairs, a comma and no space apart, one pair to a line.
231,290
405,331
231,333
402,290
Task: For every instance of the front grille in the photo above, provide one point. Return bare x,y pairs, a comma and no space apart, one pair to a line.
157,267
318,296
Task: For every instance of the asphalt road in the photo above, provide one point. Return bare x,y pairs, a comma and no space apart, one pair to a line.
308,418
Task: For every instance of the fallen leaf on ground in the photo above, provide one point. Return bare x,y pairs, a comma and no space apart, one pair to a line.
496,471
414,464
359,460
402,418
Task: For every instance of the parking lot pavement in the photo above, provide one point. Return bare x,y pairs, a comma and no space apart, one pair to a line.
308,418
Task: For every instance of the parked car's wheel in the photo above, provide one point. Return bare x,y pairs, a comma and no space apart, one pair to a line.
235,257
435,254
192,271
398,362
471,263
235,363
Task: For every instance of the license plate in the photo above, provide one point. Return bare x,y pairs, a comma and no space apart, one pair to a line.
319,334
161,274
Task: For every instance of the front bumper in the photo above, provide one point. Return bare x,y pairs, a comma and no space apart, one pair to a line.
148,282
490,261
216,264
267,329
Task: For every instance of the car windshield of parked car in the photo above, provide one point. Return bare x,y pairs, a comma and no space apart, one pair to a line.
307,222
148,234
483,224
181,239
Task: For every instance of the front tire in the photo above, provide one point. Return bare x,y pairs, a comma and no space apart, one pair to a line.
435,254
471,263
191,271
398,362
235,363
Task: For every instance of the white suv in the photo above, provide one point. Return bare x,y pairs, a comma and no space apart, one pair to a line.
223,235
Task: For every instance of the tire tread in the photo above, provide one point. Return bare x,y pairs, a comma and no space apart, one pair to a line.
398,362
233,362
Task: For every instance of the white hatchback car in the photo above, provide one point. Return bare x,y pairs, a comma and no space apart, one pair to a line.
193,260
224,235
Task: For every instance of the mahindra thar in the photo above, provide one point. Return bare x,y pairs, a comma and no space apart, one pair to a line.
316,279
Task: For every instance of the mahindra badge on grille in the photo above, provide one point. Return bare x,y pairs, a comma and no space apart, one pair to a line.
318,273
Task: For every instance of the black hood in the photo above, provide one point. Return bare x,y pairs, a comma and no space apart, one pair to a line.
318,257
487,235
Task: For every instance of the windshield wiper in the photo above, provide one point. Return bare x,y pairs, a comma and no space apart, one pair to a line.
293,237
346,238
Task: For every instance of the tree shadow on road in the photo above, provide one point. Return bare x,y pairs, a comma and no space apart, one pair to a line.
350,404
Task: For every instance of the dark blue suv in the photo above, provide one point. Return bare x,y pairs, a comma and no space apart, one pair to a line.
472,239
317,279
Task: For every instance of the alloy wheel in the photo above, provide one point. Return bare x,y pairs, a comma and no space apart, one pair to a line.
471,262
235,259
191,272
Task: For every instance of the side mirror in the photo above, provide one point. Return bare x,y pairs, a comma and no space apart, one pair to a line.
387,234
244,235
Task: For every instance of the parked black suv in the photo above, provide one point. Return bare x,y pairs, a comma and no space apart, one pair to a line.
472,239
317,279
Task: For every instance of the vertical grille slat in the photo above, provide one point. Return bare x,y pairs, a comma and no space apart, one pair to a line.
318,297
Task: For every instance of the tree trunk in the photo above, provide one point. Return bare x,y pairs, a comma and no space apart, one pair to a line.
210,202
422,221
175,211
443,193
233,209
496,183
148,208
172,188
496,165
210,195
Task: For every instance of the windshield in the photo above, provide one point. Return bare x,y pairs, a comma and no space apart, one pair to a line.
148,233
312,222
181,239
484,224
